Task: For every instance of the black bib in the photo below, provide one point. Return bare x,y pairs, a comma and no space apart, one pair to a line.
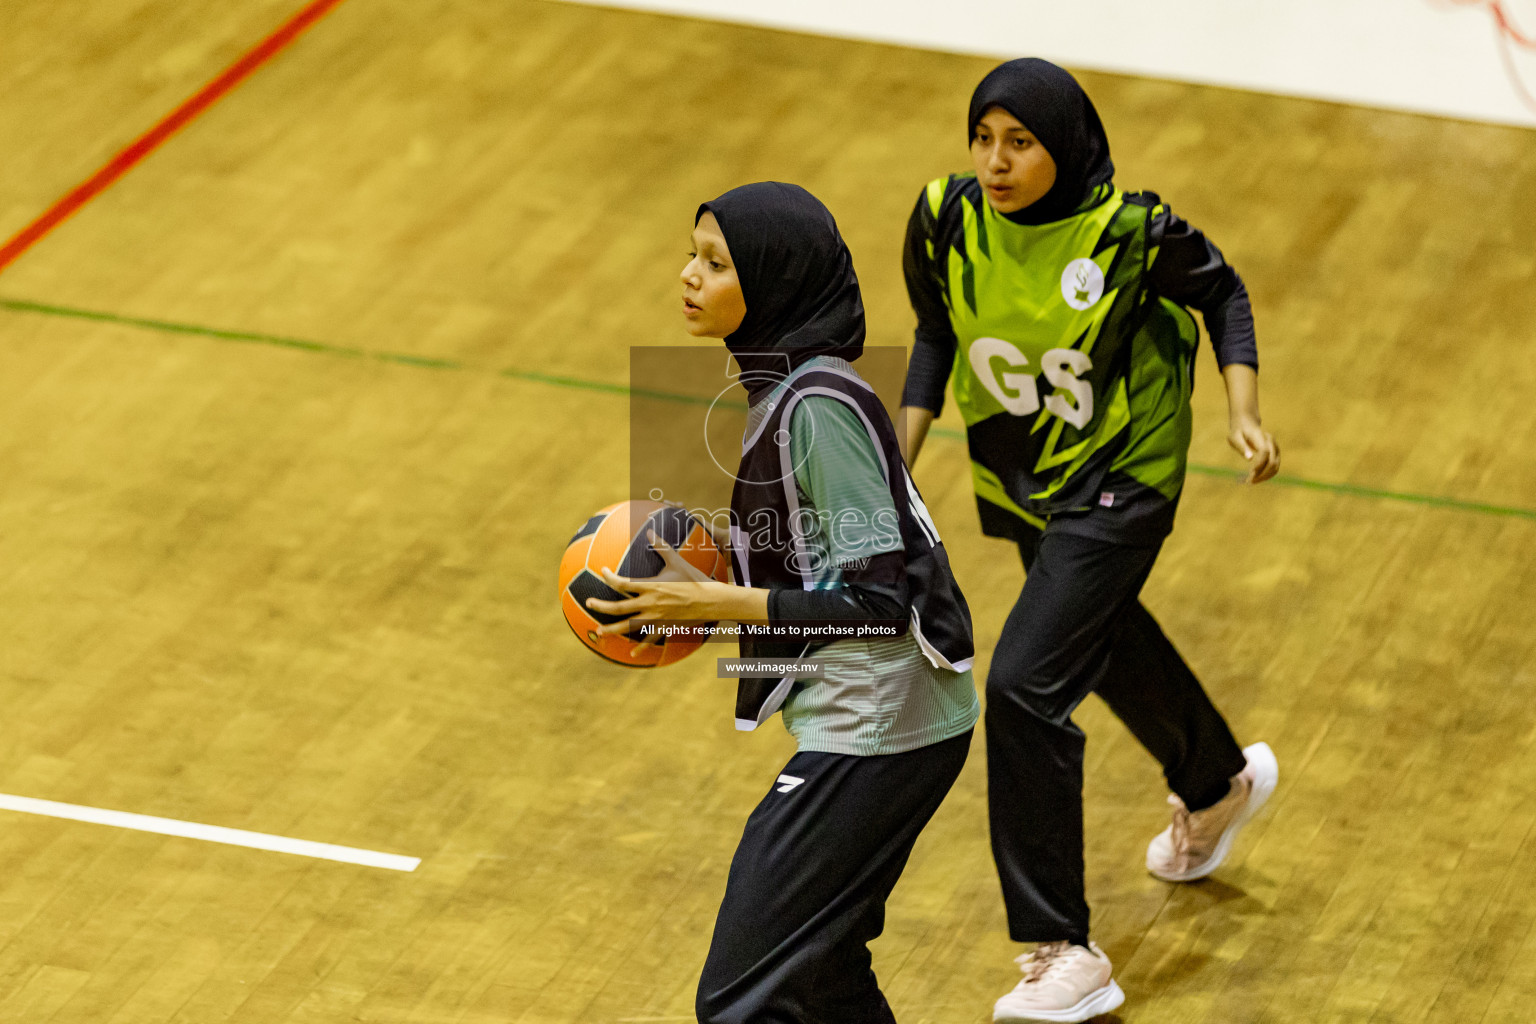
768,539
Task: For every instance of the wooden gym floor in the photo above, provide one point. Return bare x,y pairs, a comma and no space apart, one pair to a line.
251,578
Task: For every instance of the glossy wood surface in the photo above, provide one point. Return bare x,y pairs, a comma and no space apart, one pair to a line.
309,593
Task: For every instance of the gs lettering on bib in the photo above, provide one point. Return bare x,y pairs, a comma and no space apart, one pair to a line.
1019,393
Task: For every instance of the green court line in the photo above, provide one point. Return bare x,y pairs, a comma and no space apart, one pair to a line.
19,306
167,326
1353,490
533,377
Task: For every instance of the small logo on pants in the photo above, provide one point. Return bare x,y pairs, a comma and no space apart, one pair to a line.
789,783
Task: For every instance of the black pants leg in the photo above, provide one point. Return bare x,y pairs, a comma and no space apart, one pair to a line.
808,886
1077,628
1173,718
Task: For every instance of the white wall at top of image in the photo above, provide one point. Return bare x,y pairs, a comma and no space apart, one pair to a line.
1433,56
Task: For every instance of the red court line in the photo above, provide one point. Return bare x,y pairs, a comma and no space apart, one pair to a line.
168,126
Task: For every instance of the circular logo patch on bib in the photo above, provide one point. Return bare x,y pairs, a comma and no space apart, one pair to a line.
1082,283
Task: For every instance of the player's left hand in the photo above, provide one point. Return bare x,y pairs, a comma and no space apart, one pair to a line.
1250,440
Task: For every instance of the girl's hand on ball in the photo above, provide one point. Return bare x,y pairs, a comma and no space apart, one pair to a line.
675,568
679,593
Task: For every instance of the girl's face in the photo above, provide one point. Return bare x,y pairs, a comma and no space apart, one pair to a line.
713,305
1013,167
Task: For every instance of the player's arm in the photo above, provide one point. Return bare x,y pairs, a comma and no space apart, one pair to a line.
1191,271
840,475
838,471
933,343
915,421
1245,431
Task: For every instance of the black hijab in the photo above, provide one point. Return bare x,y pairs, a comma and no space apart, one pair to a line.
796,276
1048,101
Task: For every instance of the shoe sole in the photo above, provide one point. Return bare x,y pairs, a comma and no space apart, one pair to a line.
1099,1001
1266,773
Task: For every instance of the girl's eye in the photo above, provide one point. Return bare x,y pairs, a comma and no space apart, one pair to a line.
716,266
692,255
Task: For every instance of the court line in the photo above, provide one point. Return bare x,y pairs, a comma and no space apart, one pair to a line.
167,126
578,383
208,833
1351,490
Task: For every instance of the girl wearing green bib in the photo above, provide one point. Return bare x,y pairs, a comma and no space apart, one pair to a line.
1056,305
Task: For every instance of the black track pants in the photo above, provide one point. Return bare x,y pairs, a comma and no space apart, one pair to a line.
808,886
1078,628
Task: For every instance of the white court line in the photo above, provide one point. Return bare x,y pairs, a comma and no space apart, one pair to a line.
209,833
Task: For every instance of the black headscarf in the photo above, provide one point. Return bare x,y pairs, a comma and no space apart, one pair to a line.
796,276
1048,101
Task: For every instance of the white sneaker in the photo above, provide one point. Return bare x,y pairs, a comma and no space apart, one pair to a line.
1062,983
1197,842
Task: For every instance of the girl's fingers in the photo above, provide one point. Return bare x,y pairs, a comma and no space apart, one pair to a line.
628,606
628,625
1269,462
673,560
1260,456
618,582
